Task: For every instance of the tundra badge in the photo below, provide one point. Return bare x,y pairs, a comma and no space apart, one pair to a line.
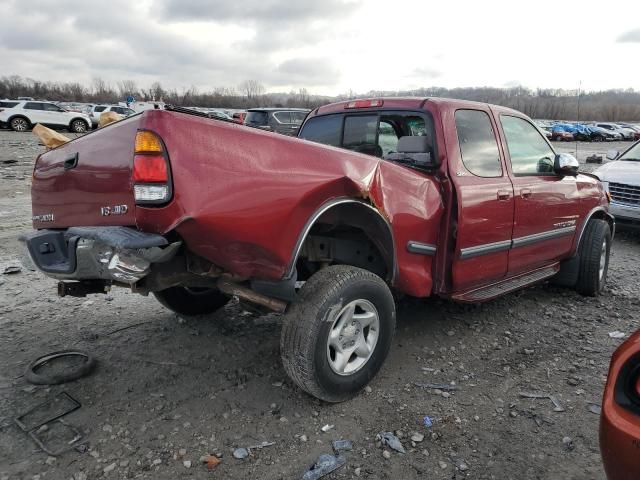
115,210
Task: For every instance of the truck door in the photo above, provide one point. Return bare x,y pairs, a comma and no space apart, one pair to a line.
547,205
485,200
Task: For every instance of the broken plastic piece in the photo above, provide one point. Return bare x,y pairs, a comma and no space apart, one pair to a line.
324,466
342,445
390,440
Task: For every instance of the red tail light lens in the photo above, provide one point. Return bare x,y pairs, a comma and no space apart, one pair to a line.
151,173
150,169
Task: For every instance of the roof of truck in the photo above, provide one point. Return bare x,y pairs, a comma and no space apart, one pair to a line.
404,102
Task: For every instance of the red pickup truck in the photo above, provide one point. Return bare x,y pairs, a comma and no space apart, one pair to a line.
376,198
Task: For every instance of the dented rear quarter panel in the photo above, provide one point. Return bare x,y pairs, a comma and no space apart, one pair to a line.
242,196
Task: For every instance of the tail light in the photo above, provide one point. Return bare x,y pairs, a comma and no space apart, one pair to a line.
151,172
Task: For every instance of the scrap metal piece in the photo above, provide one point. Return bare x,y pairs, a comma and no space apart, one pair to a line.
69,444
63,403
324,466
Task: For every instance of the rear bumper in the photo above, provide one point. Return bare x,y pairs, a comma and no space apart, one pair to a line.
118,254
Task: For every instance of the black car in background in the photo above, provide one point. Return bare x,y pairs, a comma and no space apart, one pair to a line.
280,120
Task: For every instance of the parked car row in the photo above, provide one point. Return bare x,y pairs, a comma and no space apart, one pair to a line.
589,132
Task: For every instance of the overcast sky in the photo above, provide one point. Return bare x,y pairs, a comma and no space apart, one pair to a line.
327,46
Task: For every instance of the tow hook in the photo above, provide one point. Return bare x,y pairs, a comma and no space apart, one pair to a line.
83,288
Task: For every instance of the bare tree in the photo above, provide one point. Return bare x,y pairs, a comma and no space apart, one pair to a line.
251,89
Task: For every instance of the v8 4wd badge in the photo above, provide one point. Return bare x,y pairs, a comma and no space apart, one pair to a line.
114,210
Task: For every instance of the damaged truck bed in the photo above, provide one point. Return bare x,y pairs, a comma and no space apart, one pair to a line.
414,196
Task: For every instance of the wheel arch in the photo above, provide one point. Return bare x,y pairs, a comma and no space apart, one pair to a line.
88,124
599,213
358,214
18,115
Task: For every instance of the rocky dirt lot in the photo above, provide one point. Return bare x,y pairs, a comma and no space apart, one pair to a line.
169,390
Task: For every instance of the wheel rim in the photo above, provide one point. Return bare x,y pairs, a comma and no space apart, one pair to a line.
603,261
79,126
19,124
353,337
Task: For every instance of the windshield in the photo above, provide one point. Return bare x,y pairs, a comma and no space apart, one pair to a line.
633,154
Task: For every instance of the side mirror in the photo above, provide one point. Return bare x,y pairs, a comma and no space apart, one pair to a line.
566,164
612,154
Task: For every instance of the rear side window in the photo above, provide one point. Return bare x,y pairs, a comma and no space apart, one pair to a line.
257,118
326,130
298,117
282,117
8,104
530,153
33,106
478,145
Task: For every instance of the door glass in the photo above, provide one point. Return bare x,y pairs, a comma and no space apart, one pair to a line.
33,106
530,153
50,107
478,145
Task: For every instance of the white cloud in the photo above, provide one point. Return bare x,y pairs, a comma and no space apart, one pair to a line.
328,46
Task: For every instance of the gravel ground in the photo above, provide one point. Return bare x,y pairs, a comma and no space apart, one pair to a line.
169,390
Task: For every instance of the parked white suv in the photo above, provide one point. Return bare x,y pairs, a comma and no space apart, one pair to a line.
98,110
23,115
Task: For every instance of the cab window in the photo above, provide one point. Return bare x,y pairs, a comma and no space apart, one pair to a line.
478,145
530,153
372,134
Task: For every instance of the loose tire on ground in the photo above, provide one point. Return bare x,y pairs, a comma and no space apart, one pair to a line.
593,256
191,301
340,306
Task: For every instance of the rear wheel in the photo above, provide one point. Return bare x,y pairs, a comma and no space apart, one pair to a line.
19,124
337,334
191,301
594,258
79,126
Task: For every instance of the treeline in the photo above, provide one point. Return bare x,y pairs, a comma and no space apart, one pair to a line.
552,104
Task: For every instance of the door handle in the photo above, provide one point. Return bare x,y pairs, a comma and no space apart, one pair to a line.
504,194
525,192
71,162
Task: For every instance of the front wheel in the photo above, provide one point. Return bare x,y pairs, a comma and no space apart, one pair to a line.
594,258
191,301
338,332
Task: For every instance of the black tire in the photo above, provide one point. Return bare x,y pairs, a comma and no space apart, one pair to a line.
191,301
20,124
78,126
304,344
594,258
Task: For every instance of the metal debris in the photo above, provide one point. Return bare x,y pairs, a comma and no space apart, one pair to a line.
324,466
390,440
